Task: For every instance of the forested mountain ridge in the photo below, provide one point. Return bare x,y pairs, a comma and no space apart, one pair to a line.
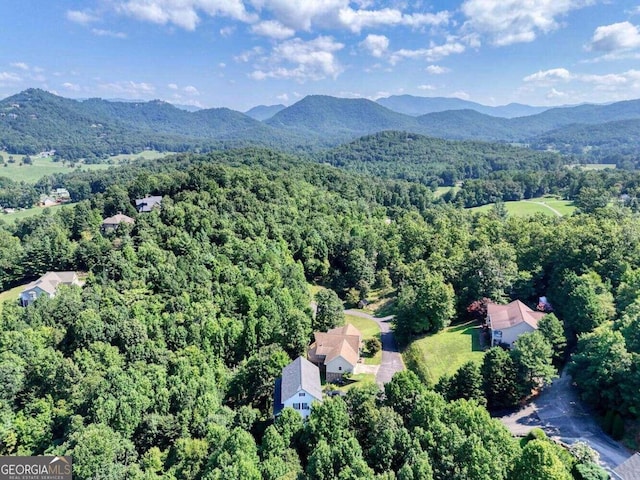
434,161
416,106
264,112
35,120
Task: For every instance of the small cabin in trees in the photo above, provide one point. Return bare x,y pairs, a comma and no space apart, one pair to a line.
337,351
47,284
110,224
507,322
298,387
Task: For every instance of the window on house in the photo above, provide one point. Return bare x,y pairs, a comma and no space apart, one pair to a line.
301,394
305,406
340,368
296,406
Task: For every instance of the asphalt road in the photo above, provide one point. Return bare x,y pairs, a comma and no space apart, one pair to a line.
560,413
391,358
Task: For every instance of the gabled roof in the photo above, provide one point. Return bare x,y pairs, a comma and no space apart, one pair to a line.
630,469
512,314
300,374
117,219
146,204
344,350
50,281
334,343
348,329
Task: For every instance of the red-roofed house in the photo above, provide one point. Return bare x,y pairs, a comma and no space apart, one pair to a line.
508,322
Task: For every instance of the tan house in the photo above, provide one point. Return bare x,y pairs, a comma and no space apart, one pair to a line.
337,351
508,322
109,224
47,284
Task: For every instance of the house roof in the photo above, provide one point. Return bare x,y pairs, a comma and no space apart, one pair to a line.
512,314
300,374
338,342
118,219
348,329
146,204
630,469
50,281
344,350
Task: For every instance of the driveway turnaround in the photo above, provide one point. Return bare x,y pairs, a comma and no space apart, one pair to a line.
560,413
391,359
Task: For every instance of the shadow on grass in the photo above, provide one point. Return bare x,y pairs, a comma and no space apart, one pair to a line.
386,309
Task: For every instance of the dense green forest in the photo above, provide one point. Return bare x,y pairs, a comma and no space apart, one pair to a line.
163,364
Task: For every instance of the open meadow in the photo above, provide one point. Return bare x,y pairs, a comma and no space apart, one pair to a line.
523,208
442,353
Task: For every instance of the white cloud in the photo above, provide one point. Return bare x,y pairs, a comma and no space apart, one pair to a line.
128,88
246,56
9,77
227,31
222,65
553,93
108,33
74,87
183,13
426,87
306,14
20,65
357,20
191,90
546,77
273,29
301,60
283,97
461,94
172,86
512,21
81,17
615,37
437,70
433,53
376,45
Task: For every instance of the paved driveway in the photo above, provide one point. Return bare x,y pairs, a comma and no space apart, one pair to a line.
559,412
391,359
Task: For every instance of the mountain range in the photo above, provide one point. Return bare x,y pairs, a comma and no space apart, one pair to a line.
36,120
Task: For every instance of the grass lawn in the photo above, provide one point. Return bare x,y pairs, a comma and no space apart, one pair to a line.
596,166
443,353
11,294
354,381
440,191
523,208
369,329
29,212
41,167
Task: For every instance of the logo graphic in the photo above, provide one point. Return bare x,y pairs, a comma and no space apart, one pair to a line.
35,468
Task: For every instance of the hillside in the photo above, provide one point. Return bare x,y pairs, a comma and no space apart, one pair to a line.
435,161
35,120
263,112
416,106
339,118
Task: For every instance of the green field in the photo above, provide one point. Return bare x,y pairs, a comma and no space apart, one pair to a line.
41,167
11,218
544,205
369,329
11,294
595,166
443,353
440,191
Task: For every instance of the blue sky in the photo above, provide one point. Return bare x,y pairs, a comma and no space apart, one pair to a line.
242,53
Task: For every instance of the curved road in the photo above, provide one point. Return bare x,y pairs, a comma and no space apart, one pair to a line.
560,413
391,358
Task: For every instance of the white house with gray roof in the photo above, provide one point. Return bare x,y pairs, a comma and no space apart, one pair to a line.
298,387
47,285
